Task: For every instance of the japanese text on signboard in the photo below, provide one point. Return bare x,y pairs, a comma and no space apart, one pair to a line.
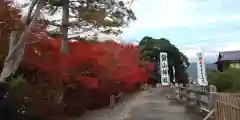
164,69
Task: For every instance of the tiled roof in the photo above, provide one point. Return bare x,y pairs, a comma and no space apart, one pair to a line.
229,55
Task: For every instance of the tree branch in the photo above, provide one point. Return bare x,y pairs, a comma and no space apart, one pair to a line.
16,52
30,9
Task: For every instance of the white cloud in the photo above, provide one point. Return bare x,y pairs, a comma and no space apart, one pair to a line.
173,13
230,46
104,37
210,50
162,13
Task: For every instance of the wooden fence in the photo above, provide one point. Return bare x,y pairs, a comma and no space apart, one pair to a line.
218,106
227,107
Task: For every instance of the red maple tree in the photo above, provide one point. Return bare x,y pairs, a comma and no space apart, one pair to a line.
93,70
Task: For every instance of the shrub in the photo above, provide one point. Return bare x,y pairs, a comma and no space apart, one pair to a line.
84,80
227,81
18,85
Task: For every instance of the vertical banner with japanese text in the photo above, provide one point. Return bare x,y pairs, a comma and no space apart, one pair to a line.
165,80
201,75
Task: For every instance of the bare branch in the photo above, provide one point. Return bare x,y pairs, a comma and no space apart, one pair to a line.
30,9
73,23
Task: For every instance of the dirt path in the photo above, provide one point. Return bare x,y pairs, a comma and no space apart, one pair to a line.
146,105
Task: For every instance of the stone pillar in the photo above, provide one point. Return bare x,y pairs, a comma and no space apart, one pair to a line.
121,97
145,86
112,101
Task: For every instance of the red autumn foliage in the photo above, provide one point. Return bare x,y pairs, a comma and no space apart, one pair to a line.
86,76
101,61
9,20
103,68
90,82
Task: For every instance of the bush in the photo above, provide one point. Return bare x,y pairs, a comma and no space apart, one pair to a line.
62,85
227,81
18,85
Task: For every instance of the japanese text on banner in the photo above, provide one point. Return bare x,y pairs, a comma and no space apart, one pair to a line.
164,69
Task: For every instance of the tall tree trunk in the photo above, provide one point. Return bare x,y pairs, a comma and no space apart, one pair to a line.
16,47
64,27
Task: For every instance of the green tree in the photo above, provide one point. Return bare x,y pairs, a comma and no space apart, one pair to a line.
82,16
150,49
227,81
86,16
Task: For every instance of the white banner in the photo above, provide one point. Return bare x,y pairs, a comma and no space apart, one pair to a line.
201,75
165,80
174,79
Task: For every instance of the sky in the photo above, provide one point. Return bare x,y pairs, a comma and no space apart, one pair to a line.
208,26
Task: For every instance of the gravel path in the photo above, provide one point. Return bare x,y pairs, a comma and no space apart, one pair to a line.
145,105
110,114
